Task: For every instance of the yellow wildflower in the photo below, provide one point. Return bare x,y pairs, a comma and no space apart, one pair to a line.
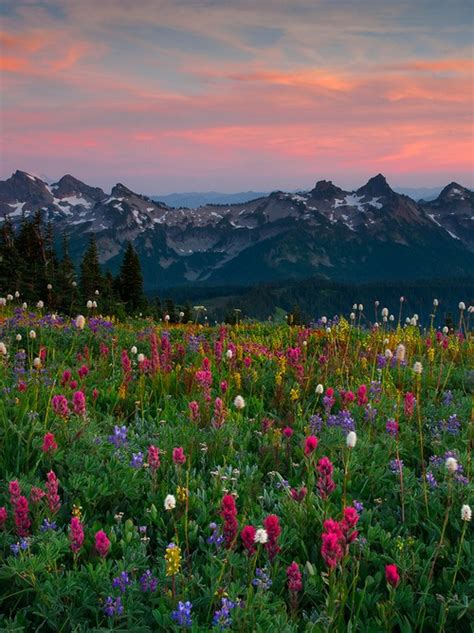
173,559
182,493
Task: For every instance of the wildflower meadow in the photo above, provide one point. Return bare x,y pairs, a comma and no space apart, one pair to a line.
160,476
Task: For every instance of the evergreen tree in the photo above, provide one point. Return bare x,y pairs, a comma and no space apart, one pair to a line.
66,291
10,260
91,276
30,244
130,281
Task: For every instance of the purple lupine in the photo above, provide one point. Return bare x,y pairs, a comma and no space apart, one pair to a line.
182,614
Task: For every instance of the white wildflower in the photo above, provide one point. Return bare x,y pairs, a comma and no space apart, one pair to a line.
170,502
261,536
351,439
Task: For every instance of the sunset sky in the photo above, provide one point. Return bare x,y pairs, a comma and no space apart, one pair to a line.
232,95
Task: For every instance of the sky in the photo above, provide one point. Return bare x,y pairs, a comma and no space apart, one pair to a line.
232,95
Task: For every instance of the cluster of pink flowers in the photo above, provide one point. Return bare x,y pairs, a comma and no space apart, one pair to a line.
49,443
126,367
3,517
219,413
298,495
248,538
229,514
102,543
79,403
179,458
362,397
21,510
337,536
391,575
346,397
83,371
153,458
52,485
325,483
204,378
22,516
295,578
409,404
272,526
15,491
194,413
60,406
76,535
155,356
310,445
36,494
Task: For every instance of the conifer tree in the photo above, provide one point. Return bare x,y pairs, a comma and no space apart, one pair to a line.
66,291
91,276
10,260
130,280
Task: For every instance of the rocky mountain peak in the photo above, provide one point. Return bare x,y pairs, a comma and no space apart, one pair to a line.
70,186
326,188
377,186
121,191
454,191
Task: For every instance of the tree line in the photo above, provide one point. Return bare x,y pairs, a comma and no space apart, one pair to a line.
30,265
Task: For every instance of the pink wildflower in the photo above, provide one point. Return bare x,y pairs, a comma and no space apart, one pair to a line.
295,579
153,458
229,514
248,539
22,519
36,494
391,575
60,406
102,543
52,485
272,526
219,413
15,491
76,535
194,411
179,457
3,517
79,403
310,445
49,443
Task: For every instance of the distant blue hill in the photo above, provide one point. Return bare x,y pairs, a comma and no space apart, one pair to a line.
195,199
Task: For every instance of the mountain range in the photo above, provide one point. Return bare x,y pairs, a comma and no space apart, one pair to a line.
370,234
196,199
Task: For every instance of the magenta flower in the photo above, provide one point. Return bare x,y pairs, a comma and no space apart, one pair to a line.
52,485
76,535
248,538
102,543
49,443
60,406
179,457
310,445
15,491
272,526
3,517
153,458
22,518
79,403
391,575
295,579
229,514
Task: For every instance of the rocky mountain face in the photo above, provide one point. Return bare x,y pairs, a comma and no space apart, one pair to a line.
369,234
